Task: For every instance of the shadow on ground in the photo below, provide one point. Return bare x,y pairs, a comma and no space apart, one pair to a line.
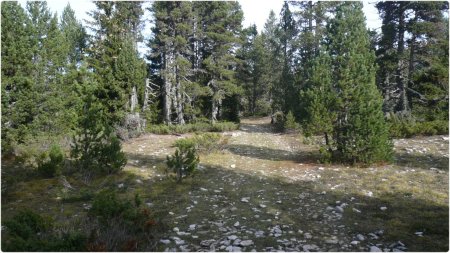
423,161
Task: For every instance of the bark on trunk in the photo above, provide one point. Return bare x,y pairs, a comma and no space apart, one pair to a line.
133,99
179,100
401,84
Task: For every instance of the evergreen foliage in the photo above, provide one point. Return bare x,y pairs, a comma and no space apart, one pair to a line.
360,132
96,148
184,161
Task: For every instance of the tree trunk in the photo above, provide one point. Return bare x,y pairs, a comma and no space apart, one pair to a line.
133,99
411,64
145,102
167,101
403,103
179,102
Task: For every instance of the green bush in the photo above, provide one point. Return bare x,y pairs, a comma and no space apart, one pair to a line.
106,205
81,195
289,123
194,127
28,231
26,224
203,143
183,162
406,128
50,163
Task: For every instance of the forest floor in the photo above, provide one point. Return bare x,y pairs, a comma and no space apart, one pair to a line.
265,191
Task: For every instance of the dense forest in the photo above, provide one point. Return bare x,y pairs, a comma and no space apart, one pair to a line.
315,68
316,61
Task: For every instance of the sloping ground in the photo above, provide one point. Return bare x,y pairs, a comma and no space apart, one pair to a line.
265,191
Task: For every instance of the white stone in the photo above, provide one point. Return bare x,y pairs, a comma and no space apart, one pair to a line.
339,209
164,241
419,233
232,237
120,185
375,249
233,166
203,189
360,237
246,243
176,229
383,208
171,213
356,210
192,227
236,224
245,200
262,206
354,243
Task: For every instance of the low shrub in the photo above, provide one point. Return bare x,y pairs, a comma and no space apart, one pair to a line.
194,127
203,143
81,195
410,128
28,231
50,163
290,123
106,205
183,162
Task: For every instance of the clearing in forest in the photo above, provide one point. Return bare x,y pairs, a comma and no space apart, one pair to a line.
265,191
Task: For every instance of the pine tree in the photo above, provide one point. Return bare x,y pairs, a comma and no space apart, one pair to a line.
319,99
272,47
18,109
221,24
75,36
251,71
116,27
360,132
285,92
171,52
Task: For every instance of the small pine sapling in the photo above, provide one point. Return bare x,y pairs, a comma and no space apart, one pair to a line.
183,162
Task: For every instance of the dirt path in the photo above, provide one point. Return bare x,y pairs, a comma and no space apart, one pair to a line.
265,191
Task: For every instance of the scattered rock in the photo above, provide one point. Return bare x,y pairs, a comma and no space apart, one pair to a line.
176,229
232,237
246,243
164,241
207,243
383,208
233,166
171,213
331,241
356,210
354,243
308,236
138,181
236,224
375,249
259,234
339,209
419,234
245,200
309,247
192,227
120,185
203,189
360,237
262,206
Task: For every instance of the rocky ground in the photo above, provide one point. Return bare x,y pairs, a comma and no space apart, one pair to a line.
265,191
